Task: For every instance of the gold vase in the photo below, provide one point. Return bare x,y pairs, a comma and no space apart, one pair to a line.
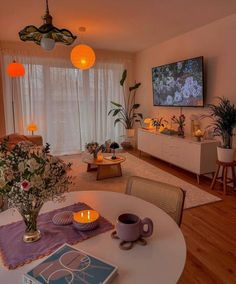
30,216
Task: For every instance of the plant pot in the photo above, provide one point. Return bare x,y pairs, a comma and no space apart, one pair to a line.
130,133
225,155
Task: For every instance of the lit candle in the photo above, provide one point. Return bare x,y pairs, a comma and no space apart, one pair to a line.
198,133
86,216
99,157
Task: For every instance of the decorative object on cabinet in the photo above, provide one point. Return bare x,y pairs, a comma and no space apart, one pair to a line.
157,122
181,123
47,35
126,113
198,134
224,122
149,122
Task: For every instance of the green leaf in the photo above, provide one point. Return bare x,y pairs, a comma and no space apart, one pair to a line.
116,121
140,115
110,111
135,87
116,104
116,111
123,78
135,106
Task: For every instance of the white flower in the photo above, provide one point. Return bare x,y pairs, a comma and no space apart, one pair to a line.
2,181
36,181
178,97
169,100
33,165
21,167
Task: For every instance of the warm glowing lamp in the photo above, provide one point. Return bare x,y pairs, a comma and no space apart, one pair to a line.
82,56
15,69
148,121
32,127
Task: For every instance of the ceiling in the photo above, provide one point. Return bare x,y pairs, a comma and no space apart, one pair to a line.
125,25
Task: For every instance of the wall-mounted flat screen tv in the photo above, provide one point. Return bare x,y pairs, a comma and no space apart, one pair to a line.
179,84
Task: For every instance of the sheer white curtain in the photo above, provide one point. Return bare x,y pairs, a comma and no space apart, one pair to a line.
69,106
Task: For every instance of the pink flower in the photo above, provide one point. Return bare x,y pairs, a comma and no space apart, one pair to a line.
25,185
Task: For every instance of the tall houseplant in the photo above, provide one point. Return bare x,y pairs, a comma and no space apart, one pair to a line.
126,114
224,122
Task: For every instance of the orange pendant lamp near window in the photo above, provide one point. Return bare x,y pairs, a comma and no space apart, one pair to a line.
82,56
15,69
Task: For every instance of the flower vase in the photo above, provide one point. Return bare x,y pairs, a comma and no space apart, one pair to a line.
30,216
181,131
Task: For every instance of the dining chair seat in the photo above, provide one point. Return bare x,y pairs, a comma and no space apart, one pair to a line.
167,197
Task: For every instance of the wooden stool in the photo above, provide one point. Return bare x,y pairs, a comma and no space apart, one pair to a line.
224,176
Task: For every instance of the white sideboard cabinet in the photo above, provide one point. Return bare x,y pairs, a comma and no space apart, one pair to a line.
197,157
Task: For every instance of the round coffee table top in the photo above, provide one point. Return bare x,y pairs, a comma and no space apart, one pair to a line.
107,161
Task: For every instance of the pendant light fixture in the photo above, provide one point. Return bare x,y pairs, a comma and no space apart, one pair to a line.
47,35
82,56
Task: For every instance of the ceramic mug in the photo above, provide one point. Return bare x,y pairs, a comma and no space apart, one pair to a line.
130,227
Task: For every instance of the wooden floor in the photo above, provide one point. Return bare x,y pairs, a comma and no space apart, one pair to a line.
209,231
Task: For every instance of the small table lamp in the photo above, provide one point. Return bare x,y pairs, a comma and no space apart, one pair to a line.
148,121
114,146
32,127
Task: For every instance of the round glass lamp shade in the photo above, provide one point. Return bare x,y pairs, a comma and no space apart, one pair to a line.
82,56
47,43
15,69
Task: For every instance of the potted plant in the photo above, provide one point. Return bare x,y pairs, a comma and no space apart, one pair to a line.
126,114
224,121
93,148
181,123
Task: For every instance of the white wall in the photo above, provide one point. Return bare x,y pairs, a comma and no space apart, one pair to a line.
216,42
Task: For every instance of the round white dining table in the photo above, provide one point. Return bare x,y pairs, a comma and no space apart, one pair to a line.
161,261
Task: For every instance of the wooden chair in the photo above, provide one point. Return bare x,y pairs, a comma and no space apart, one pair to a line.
165,196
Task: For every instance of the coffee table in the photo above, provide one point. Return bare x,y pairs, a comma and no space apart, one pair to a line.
107,168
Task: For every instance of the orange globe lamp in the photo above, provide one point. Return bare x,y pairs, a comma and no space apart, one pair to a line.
82,56
32,127
15,69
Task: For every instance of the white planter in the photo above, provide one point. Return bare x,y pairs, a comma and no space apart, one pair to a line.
130,133
225,155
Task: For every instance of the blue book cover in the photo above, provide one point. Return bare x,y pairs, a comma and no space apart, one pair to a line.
68,265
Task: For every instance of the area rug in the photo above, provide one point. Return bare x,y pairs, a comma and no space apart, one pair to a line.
133,166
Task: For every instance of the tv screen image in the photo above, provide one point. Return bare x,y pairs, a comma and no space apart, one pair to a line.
178,84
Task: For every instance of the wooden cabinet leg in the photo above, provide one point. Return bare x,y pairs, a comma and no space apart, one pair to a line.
225,170
215,177
198,179
233,176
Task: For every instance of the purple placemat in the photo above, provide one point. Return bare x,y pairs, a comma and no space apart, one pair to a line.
16,253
